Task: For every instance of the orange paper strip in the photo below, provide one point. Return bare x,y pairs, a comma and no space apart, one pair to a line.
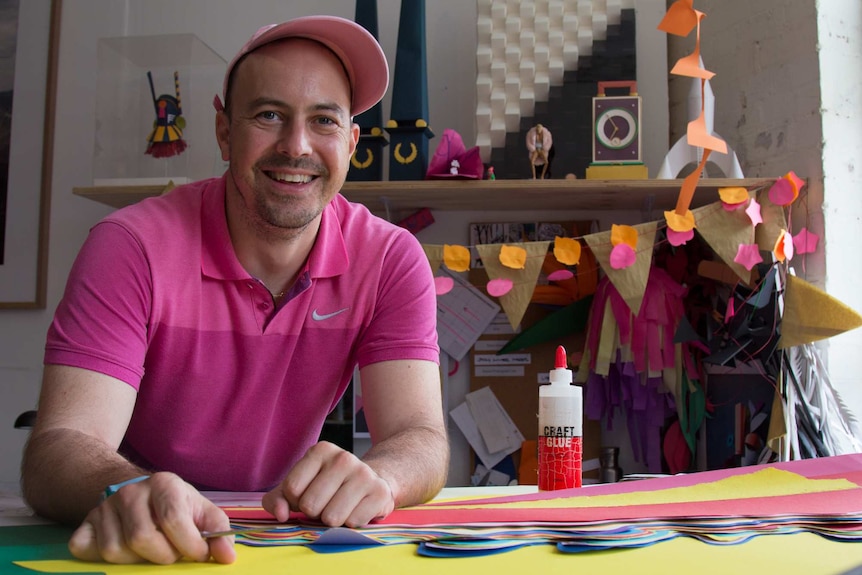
686,193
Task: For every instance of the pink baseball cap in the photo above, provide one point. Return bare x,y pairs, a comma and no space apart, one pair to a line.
359,52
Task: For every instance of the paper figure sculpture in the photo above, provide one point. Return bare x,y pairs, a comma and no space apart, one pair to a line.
166,138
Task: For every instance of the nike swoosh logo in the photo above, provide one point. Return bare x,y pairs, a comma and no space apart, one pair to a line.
320,317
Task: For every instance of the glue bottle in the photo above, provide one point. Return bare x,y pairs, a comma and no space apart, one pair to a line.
560,429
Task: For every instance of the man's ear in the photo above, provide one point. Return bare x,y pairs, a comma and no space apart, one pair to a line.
222,129
354,137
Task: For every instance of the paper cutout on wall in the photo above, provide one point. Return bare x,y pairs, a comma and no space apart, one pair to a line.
810,314
631,281
516,301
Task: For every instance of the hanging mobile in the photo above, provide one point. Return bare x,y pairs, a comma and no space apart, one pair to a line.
166,138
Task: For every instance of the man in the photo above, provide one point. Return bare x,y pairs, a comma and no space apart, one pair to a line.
205,335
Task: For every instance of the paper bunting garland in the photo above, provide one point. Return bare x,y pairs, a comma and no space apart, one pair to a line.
631,281
434,255
515,302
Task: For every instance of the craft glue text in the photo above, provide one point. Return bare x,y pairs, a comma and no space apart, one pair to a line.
560,429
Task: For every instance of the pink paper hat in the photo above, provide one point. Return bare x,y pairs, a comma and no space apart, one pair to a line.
362,57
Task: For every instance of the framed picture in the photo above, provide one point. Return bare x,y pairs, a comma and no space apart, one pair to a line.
29,35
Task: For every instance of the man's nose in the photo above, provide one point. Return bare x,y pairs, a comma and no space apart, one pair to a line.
295,139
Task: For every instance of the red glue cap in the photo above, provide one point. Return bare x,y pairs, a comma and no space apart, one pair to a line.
561,362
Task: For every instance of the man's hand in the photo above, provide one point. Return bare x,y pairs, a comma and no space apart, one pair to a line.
157,520
332,485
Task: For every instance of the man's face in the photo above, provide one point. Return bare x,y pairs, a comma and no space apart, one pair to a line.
289,136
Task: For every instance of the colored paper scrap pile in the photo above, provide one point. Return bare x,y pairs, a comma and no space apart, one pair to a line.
725,507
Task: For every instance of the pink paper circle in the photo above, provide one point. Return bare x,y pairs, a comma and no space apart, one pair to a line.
499,287
733,207
622,256
781,192
443,285
679,238
560,275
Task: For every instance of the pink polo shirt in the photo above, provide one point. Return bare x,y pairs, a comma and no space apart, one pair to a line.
231,393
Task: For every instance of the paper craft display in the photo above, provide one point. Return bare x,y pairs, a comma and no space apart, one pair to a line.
166,138
453,160
463,313
725,507
630,362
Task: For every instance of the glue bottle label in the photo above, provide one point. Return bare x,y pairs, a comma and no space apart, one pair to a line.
560,443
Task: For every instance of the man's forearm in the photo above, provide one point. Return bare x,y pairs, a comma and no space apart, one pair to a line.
64,473
414,462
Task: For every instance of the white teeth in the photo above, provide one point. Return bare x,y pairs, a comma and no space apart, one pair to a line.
291,178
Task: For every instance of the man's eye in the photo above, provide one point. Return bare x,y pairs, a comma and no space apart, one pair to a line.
268,115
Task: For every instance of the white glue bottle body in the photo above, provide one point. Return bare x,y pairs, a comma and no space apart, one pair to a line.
560,429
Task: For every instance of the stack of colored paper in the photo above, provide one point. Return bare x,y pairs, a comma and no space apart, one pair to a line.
725,507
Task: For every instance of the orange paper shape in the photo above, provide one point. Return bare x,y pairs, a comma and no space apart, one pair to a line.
795,181
700,138
686,194
624,235
513,257
456,258
680,223
783,247
680,19
567,251
734,196
689,66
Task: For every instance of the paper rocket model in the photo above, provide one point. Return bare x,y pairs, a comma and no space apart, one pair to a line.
683,154
166,138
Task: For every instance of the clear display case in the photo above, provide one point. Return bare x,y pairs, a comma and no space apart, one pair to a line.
126,108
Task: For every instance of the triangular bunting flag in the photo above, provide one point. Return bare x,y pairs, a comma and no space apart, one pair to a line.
631,281
434,253
516,301
724,231
811,314
774,221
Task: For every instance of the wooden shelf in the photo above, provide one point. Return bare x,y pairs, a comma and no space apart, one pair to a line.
505,195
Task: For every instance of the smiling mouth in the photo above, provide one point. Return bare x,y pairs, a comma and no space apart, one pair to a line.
290,178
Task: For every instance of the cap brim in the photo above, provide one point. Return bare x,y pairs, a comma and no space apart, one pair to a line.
360,53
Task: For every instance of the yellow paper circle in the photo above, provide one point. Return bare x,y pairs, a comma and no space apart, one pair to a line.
680,223
735,195
456,258
624,235
513,257
567,251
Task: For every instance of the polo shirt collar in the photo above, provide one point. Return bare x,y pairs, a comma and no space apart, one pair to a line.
328,257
